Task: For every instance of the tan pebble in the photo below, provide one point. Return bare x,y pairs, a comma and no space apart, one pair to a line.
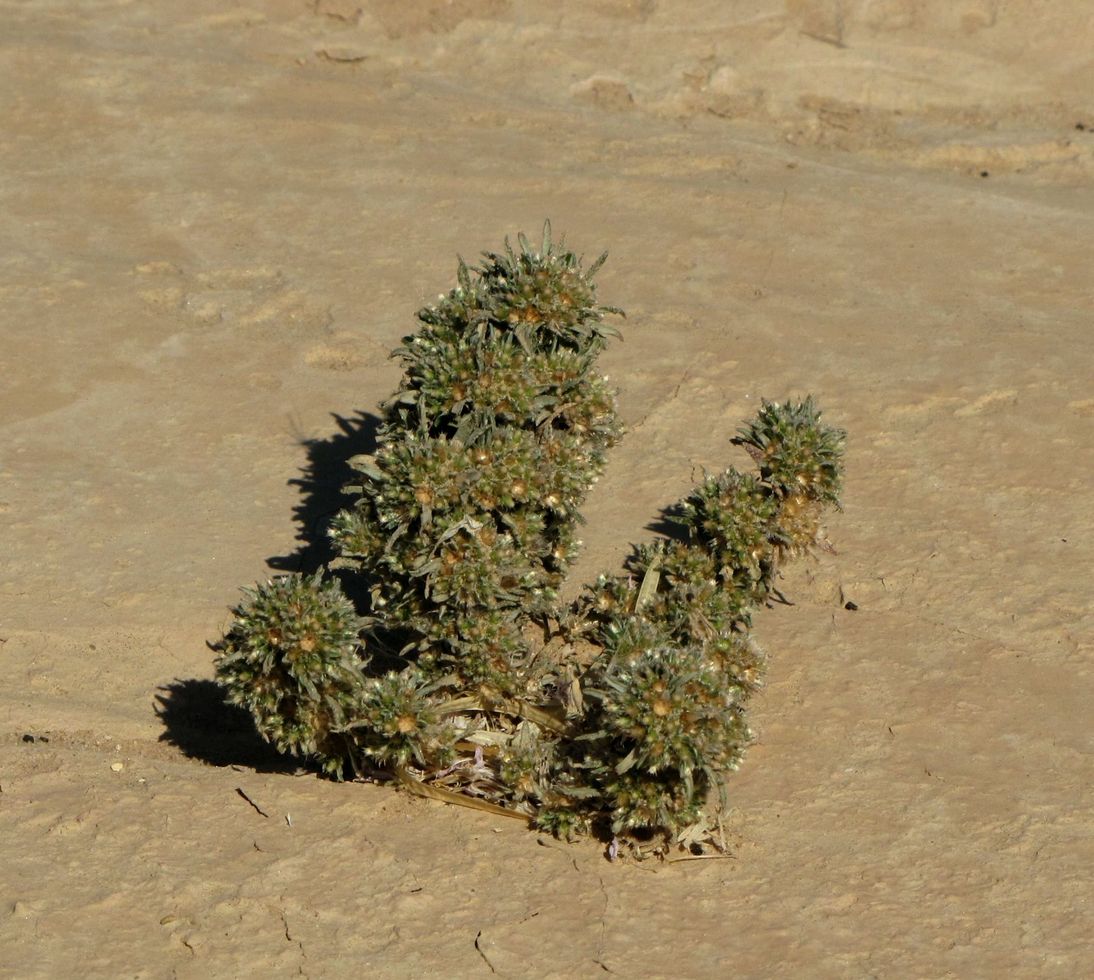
117,766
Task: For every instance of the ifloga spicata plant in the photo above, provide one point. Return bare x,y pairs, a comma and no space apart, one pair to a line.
465,679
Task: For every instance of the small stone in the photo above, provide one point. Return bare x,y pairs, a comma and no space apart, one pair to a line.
117,766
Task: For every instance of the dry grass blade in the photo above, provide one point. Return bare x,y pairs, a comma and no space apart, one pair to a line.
542,717
701,857
648,589
418,788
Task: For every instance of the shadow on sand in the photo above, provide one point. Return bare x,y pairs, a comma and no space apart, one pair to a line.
199,722
194,714
322,484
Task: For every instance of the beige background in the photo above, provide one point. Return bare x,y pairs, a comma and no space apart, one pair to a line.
217,220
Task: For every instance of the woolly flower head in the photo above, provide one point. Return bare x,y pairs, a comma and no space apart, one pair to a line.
540,297
291,658
795,451
674,710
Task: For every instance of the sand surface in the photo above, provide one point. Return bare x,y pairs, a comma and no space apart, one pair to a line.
216,221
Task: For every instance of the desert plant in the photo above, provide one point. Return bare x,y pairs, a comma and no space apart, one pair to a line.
463,678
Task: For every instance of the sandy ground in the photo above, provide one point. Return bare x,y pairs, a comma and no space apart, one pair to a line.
217,220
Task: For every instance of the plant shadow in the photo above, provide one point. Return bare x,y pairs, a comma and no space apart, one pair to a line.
202,725
196,718
667,523
322,483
